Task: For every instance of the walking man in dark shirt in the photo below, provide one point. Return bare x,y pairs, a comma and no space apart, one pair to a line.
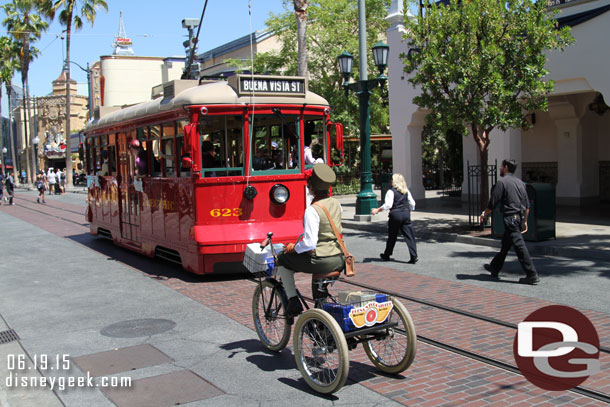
510,194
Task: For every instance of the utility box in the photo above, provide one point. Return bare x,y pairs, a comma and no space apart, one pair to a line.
542,217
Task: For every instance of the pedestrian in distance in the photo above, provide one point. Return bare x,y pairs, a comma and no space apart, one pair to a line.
40,185
1,187
51,179
400,203
9,184
58,186
62,182
510,195
319,251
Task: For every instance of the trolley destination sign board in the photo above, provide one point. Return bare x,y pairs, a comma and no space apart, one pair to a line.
263,85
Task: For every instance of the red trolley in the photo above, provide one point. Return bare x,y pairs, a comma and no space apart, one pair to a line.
208,167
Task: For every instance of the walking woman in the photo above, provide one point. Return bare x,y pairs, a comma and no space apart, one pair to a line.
40,185
400,203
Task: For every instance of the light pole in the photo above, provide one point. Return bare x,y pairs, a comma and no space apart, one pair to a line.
90,96
366,199
36,141
4,150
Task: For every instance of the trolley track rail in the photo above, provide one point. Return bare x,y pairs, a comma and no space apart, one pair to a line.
464,352
422,338
473,355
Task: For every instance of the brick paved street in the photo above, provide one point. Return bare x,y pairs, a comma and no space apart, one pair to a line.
437,377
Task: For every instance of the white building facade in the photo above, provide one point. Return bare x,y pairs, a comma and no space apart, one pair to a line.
568,146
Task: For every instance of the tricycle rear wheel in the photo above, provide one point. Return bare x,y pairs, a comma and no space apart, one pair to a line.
394,352
320,351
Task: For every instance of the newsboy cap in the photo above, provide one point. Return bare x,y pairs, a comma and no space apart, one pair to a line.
322,177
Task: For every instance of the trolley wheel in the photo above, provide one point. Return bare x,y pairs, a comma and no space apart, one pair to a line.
320,350
394,352
269,313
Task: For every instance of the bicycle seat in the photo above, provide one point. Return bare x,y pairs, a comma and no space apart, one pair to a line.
331,274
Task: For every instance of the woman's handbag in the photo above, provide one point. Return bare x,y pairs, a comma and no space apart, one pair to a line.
350,270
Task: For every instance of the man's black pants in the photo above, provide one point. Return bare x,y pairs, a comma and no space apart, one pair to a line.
513,237
400,221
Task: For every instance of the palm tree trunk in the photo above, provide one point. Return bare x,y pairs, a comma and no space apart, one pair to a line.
68,147
300,10
10,127
25,128
32,168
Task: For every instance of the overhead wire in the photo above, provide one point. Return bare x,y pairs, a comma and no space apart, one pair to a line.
252,102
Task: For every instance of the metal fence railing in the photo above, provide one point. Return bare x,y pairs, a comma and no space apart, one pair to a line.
474,189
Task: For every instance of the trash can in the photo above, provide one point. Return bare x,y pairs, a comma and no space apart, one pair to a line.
541,219
386,184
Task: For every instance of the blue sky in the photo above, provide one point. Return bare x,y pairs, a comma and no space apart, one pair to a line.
155,28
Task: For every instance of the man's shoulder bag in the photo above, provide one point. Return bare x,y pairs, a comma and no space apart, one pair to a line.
350,270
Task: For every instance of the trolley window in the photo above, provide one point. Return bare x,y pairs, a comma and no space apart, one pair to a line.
167,151
142,156
180,148
112,154
275,144
222,142
315,142
155,140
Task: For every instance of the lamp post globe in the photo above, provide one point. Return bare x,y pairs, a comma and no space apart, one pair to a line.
380,55
4,150
346,63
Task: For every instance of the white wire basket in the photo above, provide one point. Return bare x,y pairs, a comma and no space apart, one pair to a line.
260,261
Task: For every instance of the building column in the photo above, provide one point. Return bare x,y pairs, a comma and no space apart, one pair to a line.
406,119
412,154
569,152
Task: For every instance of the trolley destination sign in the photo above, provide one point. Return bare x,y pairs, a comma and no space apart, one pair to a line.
269,85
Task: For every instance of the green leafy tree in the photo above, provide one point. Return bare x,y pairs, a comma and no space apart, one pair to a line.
25,25
332,27
69,17
480,65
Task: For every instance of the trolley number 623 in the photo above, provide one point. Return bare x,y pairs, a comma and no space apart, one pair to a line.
226,212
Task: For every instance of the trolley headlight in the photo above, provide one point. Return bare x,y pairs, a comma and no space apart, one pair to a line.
279,194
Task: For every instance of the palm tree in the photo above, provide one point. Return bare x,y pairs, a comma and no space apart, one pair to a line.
9,57
68,18
26,26
300,11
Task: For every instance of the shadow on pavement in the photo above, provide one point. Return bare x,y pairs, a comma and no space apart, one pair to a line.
156,268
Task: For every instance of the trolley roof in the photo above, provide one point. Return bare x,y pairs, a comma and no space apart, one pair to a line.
220,92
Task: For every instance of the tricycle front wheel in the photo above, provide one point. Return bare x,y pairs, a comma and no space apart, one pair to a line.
269,314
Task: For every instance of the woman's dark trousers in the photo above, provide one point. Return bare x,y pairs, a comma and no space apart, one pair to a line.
400,221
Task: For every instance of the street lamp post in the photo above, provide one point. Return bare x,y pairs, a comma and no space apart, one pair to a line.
36,141
366,199
90,96
4,150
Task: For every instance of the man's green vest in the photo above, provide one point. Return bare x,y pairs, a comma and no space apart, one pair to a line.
327,241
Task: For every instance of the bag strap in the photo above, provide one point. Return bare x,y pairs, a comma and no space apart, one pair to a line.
332,224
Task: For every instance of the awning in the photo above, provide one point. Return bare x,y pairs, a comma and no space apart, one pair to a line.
580,18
